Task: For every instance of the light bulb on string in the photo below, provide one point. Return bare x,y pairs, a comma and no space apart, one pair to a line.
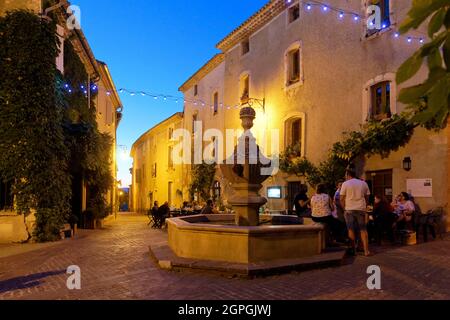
409,40
341,15
356,18
325,8
143,94
421,40
308,7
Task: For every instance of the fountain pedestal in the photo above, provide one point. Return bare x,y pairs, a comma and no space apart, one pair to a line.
246,203
243,170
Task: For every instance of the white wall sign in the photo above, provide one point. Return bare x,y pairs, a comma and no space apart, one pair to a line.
420,188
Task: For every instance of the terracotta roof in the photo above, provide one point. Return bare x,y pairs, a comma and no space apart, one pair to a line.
202,72
269,11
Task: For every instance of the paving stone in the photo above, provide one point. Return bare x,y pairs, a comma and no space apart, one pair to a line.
115,264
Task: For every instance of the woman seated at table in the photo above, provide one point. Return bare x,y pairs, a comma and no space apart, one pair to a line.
405,210
322,207
383,219
209,208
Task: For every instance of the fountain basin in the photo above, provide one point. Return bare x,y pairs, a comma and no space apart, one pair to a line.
215,238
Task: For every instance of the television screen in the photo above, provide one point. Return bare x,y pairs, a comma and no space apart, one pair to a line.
274,192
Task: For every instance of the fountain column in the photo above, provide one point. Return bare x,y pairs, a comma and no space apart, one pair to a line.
243,170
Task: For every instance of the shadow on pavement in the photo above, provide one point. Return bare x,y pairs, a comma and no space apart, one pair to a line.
27,281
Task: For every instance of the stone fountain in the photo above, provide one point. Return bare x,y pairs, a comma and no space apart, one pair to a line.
243,171
241,239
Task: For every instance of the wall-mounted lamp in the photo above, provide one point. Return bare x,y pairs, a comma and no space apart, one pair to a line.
407,164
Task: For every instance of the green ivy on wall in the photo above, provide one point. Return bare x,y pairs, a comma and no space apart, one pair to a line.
33,154
47,135
202,180
375,138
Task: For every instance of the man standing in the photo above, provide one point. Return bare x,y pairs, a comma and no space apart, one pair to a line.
354,199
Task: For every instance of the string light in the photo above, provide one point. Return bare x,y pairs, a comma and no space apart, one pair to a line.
341,13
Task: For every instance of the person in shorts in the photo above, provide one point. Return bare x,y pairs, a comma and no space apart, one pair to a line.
354,197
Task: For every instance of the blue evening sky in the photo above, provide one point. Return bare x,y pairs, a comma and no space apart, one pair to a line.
155,46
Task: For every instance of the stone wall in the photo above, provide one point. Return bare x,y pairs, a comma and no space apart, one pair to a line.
7,5
13,229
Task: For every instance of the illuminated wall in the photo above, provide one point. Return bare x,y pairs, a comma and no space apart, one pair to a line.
338,65
161,183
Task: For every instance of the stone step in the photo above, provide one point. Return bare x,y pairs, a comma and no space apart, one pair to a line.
166,259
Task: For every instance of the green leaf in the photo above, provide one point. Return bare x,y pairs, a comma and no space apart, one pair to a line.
420,11
436,22
447,19
436,43
422,117
438,96
435,59
412,94
446,53
409,68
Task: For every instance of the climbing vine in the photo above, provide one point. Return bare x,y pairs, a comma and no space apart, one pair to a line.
202,180
33,155
375,138
47,133
90,149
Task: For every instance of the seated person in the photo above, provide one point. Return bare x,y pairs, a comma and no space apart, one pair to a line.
302,203
383,219
153,214
209,208
163,213
322,207
186,208
196,207
405,211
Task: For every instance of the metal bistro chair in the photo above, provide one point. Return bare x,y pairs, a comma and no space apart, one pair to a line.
431,222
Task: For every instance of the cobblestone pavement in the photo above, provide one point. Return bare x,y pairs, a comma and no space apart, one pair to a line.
115,264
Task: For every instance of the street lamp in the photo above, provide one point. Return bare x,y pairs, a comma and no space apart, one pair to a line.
407,164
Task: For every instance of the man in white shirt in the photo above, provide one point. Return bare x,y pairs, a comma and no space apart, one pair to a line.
354,199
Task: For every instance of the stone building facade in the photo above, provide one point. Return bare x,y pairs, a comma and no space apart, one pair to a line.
320,73
13,228
340,69
156,177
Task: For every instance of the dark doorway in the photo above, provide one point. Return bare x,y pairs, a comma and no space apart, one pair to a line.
6,197
77,198
380,183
